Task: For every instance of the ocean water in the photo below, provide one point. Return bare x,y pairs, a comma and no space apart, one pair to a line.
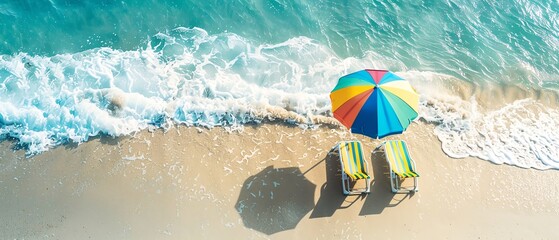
487,72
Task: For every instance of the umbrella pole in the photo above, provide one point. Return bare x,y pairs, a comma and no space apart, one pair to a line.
351,135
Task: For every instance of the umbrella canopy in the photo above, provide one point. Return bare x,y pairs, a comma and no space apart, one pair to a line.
375,103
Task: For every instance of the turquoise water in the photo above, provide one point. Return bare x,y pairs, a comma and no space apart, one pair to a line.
474,40
70,70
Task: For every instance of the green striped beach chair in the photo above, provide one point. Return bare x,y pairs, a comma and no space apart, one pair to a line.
354,166
401,165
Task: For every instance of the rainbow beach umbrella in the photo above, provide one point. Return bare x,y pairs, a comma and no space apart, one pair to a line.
375,103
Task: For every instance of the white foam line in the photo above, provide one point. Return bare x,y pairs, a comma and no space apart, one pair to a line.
280,139
227,170
133,158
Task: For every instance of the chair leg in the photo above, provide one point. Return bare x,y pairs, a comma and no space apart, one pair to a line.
368,187
394,182
345,184
347,190
415,186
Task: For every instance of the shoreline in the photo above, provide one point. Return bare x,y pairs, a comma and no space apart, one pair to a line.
199,183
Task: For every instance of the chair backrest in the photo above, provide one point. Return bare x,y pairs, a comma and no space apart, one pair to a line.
351,154
397,154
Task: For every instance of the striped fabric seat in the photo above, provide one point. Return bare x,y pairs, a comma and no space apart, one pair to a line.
351,155
397,155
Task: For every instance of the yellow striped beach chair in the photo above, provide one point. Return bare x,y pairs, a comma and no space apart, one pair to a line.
354,166
401,165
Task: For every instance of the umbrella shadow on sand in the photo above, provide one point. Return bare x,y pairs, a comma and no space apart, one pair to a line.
275,199
381,195
331,196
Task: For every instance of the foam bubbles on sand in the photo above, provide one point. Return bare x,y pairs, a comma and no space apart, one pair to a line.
188,76
183,76
523,133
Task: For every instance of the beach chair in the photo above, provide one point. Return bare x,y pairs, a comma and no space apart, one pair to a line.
401,165
354,166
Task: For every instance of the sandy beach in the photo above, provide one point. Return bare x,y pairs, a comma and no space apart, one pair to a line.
199,119
265,181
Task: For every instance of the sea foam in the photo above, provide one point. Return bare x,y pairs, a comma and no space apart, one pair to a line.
188,76
185,76
490,125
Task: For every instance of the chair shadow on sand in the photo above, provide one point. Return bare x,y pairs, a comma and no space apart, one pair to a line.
331,197
276,199
381,195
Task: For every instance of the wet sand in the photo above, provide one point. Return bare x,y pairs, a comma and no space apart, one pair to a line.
268,181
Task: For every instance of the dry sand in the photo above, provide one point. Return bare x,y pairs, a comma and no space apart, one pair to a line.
191,183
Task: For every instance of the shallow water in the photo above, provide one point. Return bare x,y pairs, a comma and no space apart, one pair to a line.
487,72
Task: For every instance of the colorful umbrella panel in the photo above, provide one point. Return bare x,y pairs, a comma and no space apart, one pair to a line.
375,103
